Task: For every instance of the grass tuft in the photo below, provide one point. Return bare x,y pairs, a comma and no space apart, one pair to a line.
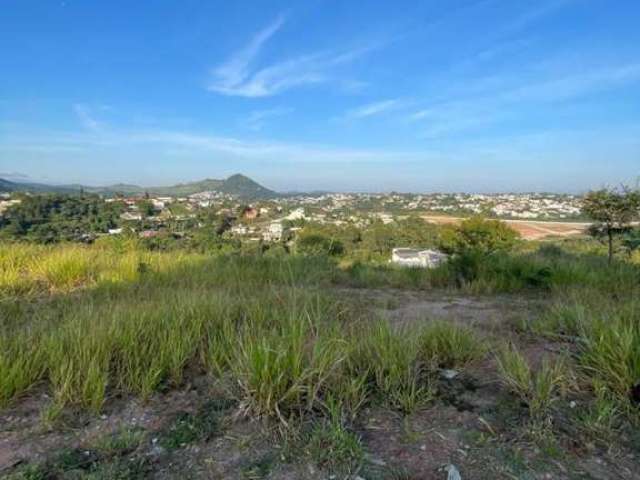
538,390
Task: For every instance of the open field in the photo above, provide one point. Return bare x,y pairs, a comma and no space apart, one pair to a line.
121,363
528,229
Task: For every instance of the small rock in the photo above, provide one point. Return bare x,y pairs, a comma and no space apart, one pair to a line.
452,472
449,374
157,451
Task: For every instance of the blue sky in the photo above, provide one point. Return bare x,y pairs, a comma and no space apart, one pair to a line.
473,95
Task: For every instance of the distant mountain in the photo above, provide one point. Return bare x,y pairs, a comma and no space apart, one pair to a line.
245,187
238,185
7,186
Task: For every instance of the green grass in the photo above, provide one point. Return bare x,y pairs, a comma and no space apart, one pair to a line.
606,333
120,442
21,365
538,389
390,361
85,323
331,444
203,425
334,448
447,345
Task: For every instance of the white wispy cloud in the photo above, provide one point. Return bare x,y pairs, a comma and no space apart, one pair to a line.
437,168
16,176
256,119
591,80
264,150
539,10
86,118
239,77
159,142
375,108
234,72
494,100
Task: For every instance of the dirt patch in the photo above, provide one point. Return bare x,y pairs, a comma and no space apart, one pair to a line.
528,229
471,423
408,307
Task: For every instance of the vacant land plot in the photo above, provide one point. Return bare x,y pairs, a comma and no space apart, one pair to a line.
138,365
528,229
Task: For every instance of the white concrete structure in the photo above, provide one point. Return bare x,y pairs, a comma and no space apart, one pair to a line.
297,214
131,216
412,257
239,230
274,232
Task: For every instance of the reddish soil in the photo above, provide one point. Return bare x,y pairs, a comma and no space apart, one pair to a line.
528,229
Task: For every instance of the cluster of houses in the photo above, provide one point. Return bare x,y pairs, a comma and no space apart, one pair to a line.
6,201
542,206
274,220
269,220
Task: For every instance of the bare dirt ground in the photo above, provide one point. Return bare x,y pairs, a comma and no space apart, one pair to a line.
408,307
528,229
472,423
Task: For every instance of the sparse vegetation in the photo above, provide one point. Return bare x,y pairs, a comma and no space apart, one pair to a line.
613,211
88,323
537,389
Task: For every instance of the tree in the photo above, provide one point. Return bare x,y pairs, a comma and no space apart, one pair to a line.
612,212
146,208
316,243
631,240
56,217
478,235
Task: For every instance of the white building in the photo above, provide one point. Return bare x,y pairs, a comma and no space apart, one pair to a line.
239,230
131,216
412,257
297,214
273,233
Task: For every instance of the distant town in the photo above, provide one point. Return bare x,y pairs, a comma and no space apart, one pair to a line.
271,216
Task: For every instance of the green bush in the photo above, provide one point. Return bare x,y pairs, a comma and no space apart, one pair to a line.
311,243
479,235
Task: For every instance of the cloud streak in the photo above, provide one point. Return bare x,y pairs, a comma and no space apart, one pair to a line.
238,76
231,75
375,108
501,99
86,118
256,120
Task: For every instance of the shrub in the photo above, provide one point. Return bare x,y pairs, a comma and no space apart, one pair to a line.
446,345
479,235
537,389
333,447
391,363
21,365
312,243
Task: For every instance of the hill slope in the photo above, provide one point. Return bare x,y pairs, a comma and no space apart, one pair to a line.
245,187
7,186
237,184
